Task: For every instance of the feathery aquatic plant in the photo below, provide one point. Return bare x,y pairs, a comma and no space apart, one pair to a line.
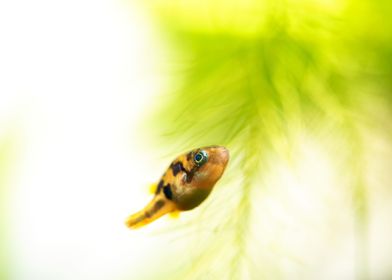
275,81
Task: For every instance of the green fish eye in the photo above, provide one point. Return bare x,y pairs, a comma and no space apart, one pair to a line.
200,158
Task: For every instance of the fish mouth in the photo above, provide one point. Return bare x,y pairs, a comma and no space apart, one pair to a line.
218,154
224,154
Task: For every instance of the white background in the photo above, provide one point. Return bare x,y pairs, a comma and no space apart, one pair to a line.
76,79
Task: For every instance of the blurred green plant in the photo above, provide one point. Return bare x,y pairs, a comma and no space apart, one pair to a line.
257,75
6,148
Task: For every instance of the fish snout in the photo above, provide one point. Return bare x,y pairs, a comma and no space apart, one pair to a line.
224,155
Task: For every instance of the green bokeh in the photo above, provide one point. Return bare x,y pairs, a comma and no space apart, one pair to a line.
6,149
253,76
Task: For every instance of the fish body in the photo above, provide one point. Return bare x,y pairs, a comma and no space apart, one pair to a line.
186,183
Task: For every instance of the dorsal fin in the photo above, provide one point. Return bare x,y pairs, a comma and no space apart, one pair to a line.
152,188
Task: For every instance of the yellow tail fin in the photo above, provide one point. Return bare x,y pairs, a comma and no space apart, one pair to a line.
155,209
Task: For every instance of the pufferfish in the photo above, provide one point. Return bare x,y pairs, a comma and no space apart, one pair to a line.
186,183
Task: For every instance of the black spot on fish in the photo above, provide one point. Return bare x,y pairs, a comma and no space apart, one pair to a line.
168,192
157,206
189,176
191,173
160,186
177,168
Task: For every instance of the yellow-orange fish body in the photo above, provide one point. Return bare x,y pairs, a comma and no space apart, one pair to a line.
186,183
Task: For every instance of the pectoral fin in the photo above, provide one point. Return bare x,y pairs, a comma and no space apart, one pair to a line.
175,214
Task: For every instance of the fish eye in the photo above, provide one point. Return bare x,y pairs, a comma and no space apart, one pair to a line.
200,158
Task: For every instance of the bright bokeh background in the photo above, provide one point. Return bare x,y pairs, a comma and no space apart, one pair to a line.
76,78
97,97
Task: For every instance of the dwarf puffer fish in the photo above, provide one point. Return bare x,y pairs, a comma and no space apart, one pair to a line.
186,183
